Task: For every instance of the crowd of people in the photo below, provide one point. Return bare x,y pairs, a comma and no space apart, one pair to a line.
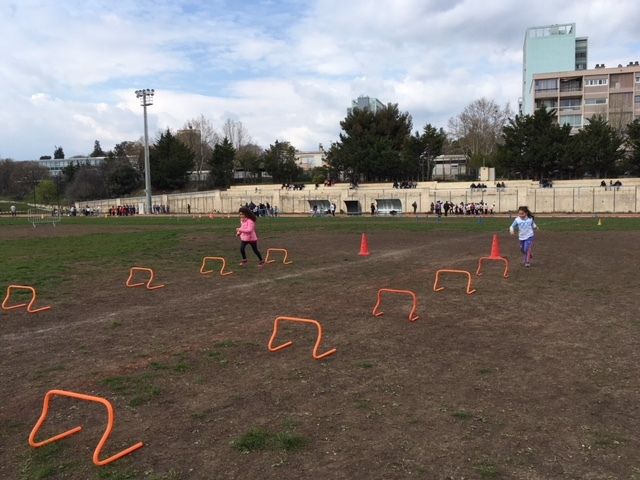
262,209
292,186
471,208
122,211
477,186
405,184
612,185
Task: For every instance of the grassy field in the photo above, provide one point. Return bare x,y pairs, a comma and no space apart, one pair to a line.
45,255
474,389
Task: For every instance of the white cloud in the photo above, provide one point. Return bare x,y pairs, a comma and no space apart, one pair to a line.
288,70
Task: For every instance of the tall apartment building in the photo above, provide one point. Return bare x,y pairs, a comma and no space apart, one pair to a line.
613,93
551,48
366,103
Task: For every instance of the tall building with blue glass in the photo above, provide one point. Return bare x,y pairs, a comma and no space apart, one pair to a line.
551,48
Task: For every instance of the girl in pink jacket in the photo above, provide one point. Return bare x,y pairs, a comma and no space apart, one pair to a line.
247,234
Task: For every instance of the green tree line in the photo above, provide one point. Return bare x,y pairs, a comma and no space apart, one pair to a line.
380,146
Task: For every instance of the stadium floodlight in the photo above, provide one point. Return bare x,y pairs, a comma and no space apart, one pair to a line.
146,98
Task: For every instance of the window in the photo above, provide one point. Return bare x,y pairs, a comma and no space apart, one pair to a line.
550,84
572,120
637,99
547,103
637,77
567,104
594,82
570,102
595,101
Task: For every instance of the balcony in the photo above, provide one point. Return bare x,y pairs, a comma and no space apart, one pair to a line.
570,108
546,93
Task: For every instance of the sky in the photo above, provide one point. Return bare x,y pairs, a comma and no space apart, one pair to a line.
287,69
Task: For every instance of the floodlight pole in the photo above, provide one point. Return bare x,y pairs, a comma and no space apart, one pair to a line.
146,99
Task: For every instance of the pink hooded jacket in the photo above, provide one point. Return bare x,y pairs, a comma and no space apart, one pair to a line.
248,230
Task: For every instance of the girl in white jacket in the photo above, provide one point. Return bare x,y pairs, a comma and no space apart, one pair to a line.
526,225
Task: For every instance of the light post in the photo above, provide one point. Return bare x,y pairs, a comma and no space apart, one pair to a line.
146,99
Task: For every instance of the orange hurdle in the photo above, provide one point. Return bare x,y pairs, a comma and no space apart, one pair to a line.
105,436
412,314
284,260
152,276
315,355
495,255
222,272
463,272
5,305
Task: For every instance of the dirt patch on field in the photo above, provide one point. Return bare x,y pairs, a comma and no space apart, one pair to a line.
532,377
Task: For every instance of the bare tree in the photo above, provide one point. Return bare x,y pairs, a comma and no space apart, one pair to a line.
478,129
203,140
236,133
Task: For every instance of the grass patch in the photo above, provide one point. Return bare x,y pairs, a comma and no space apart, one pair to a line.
45,371
485,371
158,366
462,415
43,462
486,470
140,388
607,440
113,474
218,357
365,365
363,404
181,367
225,344
259,439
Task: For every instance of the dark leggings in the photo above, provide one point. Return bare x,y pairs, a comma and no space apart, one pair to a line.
254,246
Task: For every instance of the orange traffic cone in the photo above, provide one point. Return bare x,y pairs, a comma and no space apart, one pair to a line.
364,246
495,247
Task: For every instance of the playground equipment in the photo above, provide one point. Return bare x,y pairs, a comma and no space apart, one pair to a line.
436,288
152,276
105,436
364,246
35,218
315,355
224,264
284,260
412,314
10,288
495,255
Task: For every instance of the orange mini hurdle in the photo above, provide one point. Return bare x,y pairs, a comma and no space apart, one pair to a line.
152,276
105,436
315,355
224,264
284,260
6,306
495,255
412,314
436,288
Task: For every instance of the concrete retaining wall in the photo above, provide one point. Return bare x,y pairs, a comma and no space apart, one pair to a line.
566,198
